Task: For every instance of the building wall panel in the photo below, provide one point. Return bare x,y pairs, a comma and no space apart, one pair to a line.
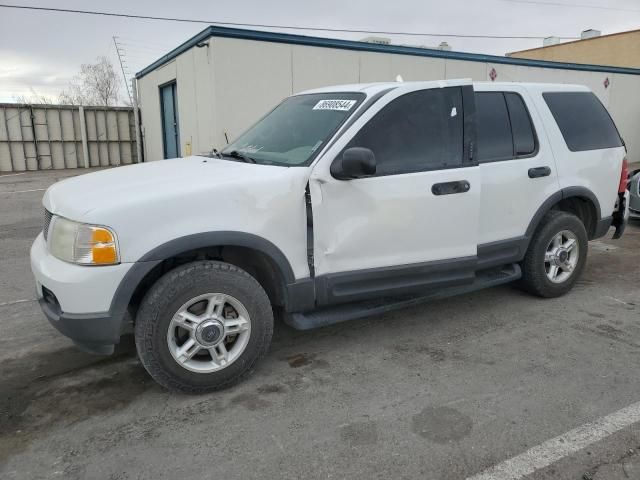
476,71
416,68
187,98
249,78
227,86
202,63
315,67
624,105
374,67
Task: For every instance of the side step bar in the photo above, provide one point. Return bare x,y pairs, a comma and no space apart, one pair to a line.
351,311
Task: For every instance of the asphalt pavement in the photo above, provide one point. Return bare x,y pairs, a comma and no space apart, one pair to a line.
489,382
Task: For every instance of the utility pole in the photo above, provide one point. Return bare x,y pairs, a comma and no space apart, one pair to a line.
121,54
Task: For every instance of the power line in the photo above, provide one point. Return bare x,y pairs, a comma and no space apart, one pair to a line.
572,5
144,42
143,48
287,27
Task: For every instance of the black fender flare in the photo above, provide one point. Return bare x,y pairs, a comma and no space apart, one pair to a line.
558,196
151,259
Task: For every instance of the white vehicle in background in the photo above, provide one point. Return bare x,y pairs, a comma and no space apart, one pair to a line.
341,202
634,195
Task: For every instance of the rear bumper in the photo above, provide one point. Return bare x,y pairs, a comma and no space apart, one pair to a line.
602,227
621,215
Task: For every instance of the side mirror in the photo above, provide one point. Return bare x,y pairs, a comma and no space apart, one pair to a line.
356,162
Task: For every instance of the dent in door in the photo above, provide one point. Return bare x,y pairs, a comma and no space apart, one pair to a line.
342,226
336,238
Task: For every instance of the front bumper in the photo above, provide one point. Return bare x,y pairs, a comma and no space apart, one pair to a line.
91,333
77,300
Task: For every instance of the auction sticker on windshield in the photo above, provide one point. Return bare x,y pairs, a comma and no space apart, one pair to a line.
341,105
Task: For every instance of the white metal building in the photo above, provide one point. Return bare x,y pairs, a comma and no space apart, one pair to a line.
204,93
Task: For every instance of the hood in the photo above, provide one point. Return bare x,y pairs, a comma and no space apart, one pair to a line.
86,197
151,204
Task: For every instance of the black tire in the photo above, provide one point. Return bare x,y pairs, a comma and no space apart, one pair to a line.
534,275
164,299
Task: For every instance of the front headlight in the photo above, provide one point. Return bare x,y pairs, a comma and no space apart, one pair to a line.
81,243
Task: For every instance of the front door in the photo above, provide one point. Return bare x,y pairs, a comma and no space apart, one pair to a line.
413,225
169,112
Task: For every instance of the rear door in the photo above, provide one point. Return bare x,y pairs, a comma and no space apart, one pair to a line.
414,224
517,169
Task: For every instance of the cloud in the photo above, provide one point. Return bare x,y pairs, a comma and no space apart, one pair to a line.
57,44
24,74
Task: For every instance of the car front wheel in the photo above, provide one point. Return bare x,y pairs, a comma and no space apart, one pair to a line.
203,326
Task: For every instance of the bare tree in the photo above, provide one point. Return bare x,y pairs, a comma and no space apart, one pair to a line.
34,99
96,84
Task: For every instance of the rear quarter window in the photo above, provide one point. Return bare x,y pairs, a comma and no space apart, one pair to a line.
583,120
524,139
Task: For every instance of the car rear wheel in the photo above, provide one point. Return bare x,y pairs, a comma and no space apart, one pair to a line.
203,326
556,256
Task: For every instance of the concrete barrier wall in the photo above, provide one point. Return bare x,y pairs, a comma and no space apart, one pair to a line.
43,137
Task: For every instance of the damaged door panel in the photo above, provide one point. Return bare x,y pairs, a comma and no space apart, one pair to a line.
362,226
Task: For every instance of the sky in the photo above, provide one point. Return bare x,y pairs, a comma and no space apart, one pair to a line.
40,52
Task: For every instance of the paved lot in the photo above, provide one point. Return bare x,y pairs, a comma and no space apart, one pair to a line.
443,391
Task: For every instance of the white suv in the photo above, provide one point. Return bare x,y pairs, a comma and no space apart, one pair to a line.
341,202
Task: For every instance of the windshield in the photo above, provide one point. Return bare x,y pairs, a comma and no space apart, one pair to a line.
293,132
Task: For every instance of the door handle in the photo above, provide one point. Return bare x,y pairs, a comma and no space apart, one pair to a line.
449,188
539,172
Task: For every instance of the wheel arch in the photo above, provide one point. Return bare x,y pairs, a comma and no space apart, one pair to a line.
257,255
580,201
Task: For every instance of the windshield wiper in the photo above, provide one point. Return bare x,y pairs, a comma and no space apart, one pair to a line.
240,156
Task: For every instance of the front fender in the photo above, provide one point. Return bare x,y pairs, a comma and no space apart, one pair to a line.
217,239
140,269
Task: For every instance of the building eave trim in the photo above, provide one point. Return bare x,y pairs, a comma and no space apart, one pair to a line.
256,35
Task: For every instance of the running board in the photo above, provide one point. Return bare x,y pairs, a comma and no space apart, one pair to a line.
351,311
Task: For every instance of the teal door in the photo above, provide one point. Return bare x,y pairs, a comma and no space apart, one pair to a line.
169,112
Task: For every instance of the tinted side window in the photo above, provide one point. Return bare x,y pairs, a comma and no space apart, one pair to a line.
418,131
524,140
584,122
494,140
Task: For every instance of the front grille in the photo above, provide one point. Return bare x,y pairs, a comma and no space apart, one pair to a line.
47,222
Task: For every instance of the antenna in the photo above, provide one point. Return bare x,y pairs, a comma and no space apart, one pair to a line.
121,54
